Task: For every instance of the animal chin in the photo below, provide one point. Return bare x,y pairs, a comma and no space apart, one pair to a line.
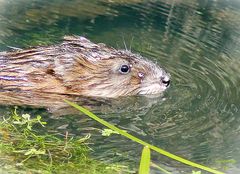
152,89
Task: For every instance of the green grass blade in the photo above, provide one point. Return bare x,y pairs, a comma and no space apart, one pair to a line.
160,168
133,138
144,167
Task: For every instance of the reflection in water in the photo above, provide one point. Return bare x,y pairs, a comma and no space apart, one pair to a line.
196,41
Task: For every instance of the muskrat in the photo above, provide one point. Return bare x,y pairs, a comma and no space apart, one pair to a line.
78,67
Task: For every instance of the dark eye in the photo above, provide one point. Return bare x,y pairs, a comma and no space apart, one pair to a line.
124,69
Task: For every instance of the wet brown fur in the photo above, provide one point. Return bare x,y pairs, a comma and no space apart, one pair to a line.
43,76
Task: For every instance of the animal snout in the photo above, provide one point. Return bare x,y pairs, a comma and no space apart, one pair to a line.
166,81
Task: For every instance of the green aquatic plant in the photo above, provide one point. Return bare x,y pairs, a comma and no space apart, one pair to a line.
23,148
144,166
133,138
108,132
160,168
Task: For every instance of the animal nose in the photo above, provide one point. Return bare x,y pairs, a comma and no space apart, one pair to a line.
166,82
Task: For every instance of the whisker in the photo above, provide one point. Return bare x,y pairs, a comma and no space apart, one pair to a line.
124,43
131,43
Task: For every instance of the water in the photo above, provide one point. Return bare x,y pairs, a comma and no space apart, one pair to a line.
198,43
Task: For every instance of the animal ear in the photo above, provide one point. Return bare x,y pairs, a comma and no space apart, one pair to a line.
89,50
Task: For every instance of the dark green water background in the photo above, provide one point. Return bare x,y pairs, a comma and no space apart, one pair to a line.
198,43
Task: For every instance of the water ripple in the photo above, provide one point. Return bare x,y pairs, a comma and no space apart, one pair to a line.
197,42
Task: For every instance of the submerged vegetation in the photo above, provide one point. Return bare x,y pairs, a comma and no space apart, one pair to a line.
145,160
26,147
23,148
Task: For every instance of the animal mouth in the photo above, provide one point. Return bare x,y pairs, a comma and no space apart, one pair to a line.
154,88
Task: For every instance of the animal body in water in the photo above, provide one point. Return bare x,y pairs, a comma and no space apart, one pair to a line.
45,75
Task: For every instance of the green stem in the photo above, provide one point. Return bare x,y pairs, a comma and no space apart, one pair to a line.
160,168
159,150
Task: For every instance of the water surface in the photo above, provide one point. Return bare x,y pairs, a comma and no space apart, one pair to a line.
197,42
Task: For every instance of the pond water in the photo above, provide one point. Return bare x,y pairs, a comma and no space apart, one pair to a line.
196,41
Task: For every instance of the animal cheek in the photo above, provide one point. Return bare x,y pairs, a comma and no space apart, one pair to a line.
135,80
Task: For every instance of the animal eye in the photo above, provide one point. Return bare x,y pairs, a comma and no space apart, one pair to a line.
124,69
